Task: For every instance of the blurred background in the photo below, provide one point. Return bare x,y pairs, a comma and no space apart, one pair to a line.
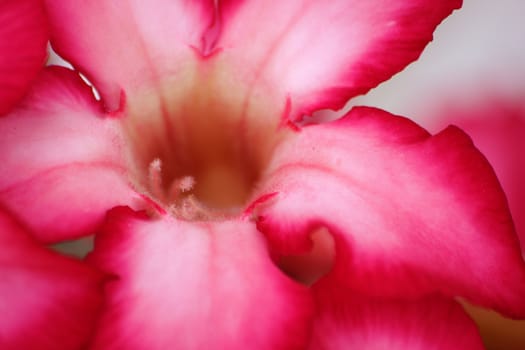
480,49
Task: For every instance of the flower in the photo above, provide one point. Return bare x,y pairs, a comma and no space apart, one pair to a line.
45,298
496,123
24,37
202,185
47,301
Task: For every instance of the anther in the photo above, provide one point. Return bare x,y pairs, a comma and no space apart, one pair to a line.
179,186
155,179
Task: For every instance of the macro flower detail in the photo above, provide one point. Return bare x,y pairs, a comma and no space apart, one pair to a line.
364,323
219,289
23,39
207,192
496,125
46,299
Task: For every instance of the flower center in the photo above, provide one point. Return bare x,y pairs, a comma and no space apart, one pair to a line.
199,141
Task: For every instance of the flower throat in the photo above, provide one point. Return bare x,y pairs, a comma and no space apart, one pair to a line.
199,143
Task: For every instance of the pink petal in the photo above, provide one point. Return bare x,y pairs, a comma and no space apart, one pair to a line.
119,45
410,213
365,323
189,285
321,54
62,162
497,127
23,40
47,301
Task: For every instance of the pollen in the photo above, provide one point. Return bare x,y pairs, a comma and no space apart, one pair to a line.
178,186
186,183
155,179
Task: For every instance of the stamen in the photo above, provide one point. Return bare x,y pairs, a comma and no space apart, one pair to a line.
186,183
186,206
179,186
155,179
190,208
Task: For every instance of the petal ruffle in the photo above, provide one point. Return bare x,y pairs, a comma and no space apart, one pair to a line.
321,54
364,323
410,213
121,45
62,162
189,285
23,39
47,301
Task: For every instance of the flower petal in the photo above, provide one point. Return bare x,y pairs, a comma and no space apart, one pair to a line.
62,162
497,127
120,45
189,285
321,54
365,323
47,301
411,214
23,40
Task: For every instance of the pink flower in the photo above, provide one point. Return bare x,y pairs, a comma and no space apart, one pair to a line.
23,42
202,183
496,123
45,299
